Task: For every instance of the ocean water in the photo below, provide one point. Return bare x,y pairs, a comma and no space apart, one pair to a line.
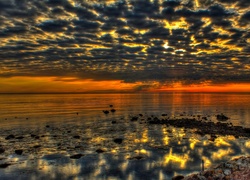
33,109
147,151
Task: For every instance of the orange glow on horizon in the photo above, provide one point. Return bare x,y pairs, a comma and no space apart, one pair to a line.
75,85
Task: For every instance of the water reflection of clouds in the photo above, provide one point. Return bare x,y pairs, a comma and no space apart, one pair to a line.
164,151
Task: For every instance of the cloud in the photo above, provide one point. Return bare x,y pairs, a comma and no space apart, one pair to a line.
126,40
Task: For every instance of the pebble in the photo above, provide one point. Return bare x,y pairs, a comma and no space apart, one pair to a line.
228,170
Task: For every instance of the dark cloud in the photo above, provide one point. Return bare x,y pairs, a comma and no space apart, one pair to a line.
171,3
159,33
245,18
54,25
86,25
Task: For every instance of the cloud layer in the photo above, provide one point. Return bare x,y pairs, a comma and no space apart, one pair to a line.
128,40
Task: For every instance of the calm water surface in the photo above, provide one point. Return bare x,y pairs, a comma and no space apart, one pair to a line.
164,151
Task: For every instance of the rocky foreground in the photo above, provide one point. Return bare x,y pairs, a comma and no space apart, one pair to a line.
236,169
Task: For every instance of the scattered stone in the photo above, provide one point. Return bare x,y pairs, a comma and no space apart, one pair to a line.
19,152
136,157
221,117
11,136
118,140
238,168
19,137
178,177
2,150
105,111
100,150
37,146
76,137
4,165
76,156
134,118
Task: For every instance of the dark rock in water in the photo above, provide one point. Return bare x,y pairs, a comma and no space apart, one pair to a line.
110,105
47,126
247,130
2,150
69,131
112,110
100,150
19,152
136,157
164,115
204,118
76,156
5,165
141,115
118,140
134,118
105,111
76,137
19,137
78,147
178,177
11,136
221,117
113,122
37,146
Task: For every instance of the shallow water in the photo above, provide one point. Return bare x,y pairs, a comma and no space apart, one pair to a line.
147,151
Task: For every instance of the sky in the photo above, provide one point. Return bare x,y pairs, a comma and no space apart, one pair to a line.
124,46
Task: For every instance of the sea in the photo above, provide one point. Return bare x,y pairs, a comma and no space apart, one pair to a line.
69,124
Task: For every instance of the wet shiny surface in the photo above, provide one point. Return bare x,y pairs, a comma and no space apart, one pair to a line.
53,132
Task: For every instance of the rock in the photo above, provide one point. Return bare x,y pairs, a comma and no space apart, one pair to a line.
118,140
2,150
112,110
19,151
37,146
4,165
76,137
105,111
134,118
113,122
100,150
76,156
178,177
11,136
136,157
47,126
227,172
221,117
19,137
